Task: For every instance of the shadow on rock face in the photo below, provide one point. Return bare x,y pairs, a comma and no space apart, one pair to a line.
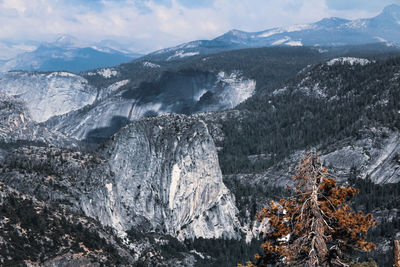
99,135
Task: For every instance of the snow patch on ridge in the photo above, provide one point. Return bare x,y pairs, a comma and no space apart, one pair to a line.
287,41
62,74
109,187
112,88
269,33
150,65
294,28
236,88
105,72
349,60
294,43
198,96
182,54
281,41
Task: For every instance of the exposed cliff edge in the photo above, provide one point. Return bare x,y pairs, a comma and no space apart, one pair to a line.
166,178
48,94
158,174
17,126
173,92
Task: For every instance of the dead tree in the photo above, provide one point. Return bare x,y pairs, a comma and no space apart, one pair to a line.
316,226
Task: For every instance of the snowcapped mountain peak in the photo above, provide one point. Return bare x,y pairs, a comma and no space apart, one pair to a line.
66,53
66,40
238,33
234,36
327,32
331,22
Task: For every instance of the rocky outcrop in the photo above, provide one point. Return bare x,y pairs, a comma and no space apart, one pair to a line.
48,94
166,178
182,92
60,179
155,174
37,233
16,125
375,155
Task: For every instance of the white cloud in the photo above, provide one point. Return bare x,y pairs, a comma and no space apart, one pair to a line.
151,25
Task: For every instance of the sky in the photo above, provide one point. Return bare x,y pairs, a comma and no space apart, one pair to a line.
148,25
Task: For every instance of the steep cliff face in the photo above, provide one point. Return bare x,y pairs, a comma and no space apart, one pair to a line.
16,125
172,92
78,109
166,178
375,155
156,178
157,173
48,94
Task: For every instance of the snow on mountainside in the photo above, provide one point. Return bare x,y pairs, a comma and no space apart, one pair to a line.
66,54
106,73
237,89
150,65
97,103
182,54
333,31
348,60
48,94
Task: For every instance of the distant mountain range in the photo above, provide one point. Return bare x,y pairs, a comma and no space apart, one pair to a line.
328,32
65,54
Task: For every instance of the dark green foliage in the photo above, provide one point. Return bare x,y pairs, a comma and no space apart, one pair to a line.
224,252
252,197
21,143
373,196
162,246
37,233
277,124
383,201
214,252
270,67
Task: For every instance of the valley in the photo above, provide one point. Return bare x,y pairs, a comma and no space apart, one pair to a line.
166,159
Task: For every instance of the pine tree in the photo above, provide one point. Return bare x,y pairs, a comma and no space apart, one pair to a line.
316,226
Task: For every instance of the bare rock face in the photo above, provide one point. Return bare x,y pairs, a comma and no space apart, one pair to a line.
375,154
48,94
172,92
166,178
16,125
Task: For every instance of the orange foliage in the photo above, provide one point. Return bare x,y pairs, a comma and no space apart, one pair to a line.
315,226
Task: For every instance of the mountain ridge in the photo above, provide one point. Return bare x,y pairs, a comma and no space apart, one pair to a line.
331,31
66,53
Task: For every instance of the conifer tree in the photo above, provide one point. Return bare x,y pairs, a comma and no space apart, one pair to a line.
316,226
